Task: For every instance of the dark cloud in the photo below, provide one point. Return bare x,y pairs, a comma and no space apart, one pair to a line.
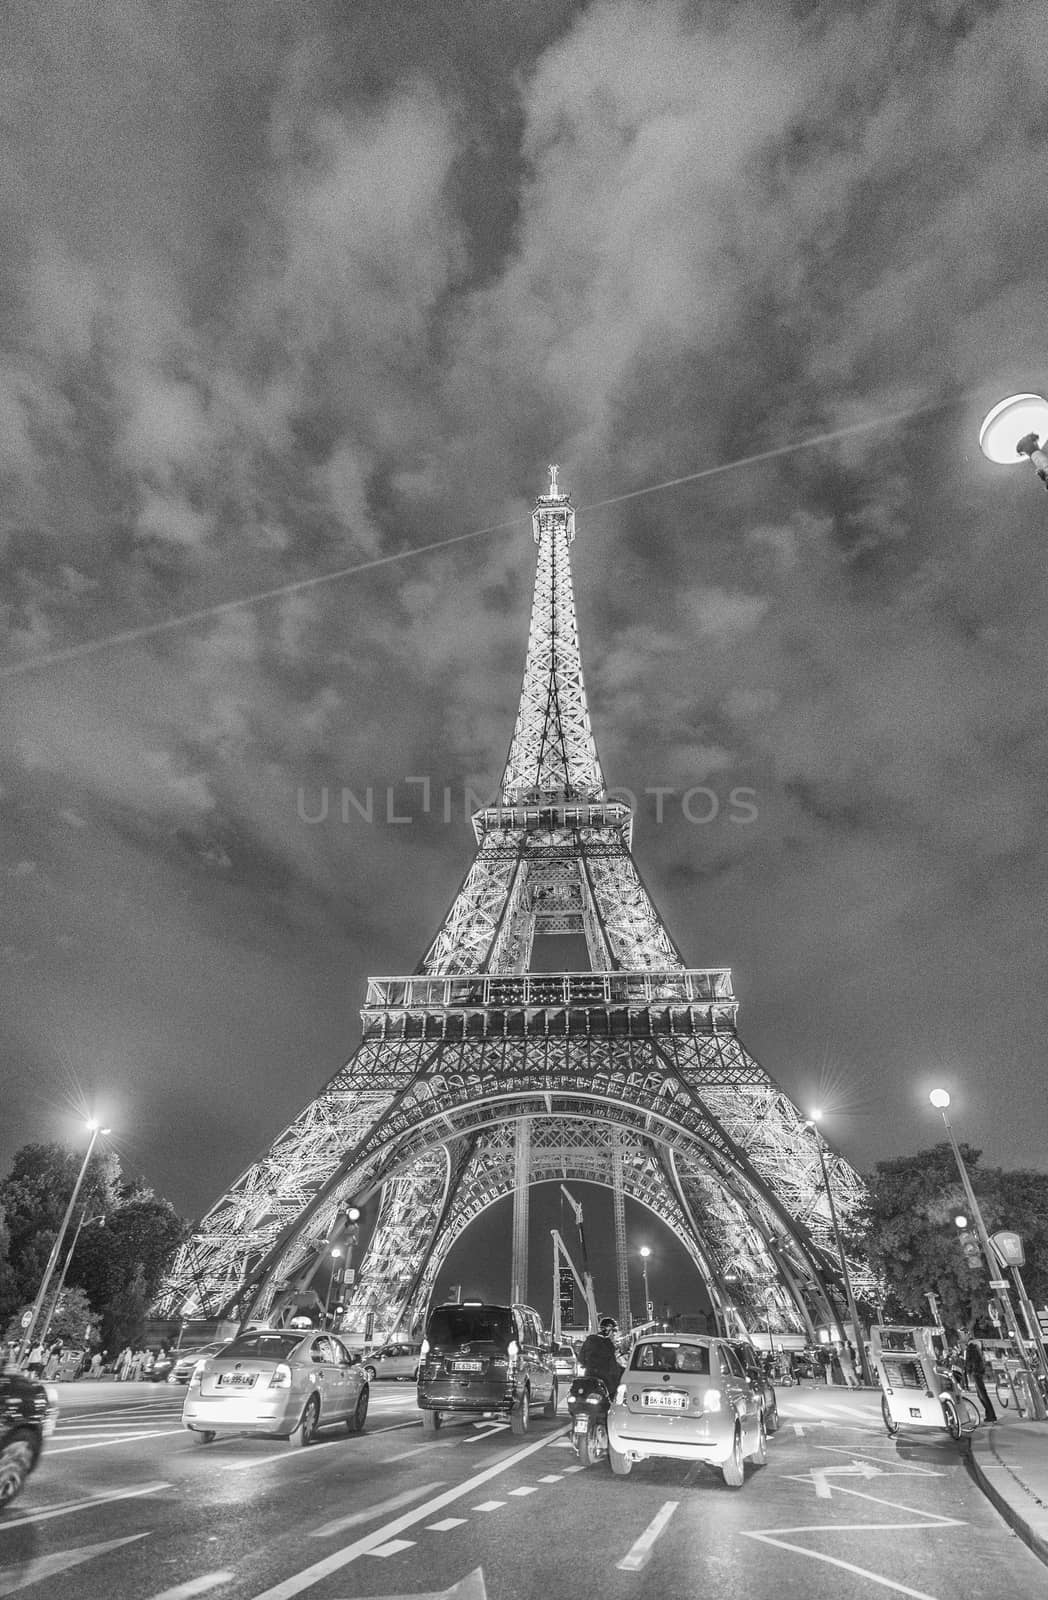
287,290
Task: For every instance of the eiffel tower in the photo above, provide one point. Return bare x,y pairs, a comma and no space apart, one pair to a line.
477,1077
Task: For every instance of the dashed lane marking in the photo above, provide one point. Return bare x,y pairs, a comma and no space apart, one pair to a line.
488,1505
355,1518
445,1524
639,1553
392,1548
195,1586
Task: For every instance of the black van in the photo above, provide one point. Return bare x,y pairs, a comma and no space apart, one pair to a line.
485,1358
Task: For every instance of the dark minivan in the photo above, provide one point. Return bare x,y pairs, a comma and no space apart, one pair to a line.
485,1358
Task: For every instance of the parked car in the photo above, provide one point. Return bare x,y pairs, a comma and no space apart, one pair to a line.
183,1361
482,1358
686,1397
760,1381
28,1414
277,1381
394,1361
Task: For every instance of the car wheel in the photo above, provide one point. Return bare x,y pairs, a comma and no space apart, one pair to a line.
621,1465
520,1416
550,1408
16,1463
371,1374
307,1423
890,1425
359,1415
733,1469
204,1435
952,1418
431,1421
771,1417
759,1457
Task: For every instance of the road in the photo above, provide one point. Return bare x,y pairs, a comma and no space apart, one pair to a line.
127,1506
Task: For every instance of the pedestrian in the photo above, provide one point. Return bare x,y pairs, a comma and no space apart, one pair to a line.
975,1372
123,1361
35,1360
96,1365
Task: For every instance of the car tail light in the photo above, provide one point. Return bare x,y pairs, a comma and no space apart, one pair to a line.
424,1350
281,1378
620,1395
196,1375
712,1400
513,1351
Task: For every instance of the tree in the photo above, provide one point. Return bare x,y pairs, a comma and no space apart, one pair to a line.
34,1197
133,1248
70,1322
913,1242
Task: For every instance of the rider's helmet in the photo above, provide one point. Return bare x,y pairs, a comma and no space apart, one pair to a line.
608,1327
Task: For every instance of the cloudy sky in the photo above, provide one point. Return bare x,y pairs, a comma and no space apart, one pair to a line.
291,291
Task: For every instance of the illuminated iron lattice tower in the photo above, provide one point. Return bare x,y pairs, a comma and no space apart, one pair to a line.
476,1077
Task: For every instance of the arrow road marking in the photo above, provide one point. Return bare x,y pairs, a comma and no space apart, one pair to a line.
820,1475
471,1587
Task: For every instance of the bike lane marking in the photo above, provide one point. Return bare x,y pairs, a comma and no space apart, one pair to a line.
383,1540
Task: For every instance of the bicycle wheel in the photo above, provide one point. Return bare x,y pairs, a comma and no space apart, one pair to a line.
951,1418
1003,1391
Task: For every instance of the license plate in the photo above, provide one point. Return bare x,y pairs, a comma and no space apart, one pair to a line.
581,1424
236,1380
467,1366
659,1400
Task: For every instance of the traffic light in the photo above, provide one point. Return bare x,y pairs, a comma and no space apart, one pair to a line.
970,1246
352,1228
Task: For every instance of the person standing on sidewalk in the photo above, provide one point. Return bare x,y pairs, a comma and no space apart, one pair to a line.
975,1372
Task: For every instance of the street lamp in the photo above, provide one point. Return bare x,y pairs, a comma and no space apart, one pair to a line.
1017,427
940,1100
85,1222
335,1255
52,1260
648,1308
867,1376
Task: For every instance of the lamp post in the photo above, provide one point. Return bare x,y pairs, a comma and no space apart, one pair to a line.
52,1260
644,1254
941,1100
1017,427
336,1254
87,1222
853,1312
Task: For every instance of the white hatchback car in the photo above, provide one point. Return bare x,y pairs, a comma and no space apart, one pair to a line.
686,1397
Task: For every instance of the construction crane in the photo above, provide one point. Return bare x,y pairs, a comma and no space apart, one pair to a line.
584,1280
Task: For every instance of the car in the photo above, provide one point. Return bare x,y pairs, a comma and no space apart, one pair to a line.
393,1361
483,1358
28,1414
279,1382
564,1362
183,1361
760,1382
686,1397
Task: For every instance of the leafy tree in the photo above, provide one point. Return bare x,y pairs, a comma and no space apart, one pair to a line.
70,1322
913,1242
124,1321
133,1247
34,1197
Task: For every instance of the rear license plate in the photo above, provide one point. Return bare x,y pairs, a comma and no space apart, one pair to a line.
467,1366
236,1380
659,1400
581,1424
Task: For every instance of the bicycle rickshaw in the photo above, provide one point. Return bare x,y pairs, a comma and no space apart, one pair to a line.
917,1387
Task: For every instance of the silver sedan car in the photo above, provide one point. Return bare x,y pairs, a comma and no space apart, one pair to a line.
277,1381
688,1398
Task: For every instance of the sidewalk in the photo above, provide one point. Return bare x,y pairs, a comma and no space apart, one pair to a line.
1009,1462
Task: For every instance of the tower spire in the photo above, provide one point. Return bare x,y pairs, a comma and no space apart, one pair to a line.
552,754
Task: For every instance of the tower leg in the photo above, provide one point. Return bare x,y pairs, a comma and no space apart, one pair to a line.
621,1249
522,1181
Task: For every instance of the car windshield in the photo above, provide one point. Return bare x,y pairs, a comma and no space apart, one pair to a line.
666,1357
470,1324
263,1346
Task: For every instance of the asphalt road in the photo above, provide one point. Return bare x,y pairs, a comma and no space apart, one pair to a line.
127,1506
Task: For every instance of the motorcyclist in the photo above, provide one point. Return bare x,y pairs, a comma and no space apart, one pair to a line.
599,1358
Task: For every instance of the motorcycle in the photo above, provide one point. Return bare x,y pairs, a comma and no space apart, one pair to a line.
588,1403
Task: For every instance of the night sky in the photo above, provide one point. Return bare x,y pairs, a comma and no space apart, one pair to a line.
297,291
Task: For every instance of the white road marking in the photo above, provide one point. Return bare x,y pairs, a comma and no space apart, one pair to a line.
528,1489
370,1542
485,1430
488,1505
820,1475
100,1444
355,1518
67,1508
552,1477
639,1553
392,1548
194,1586
49,1566
445,1524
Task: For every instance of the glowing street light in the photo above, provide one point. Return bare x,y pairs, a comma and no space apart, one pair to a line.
56,1249
853,1312
941,1100
1017,427
648,1307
